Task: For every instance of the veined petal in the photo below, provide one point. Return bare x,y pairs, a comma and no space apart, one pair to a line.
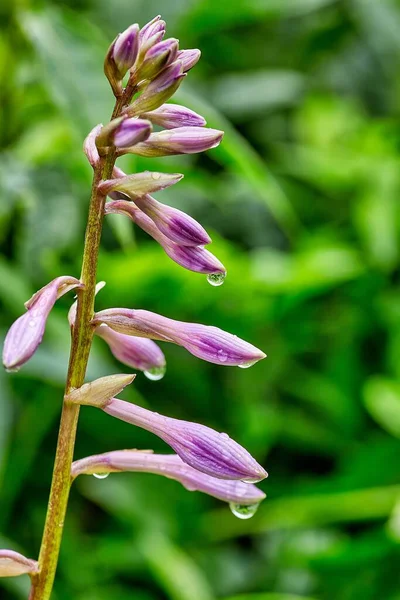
171,116
193,258
182,140
26,333
175,224
204,341
173,467
138,353
199,446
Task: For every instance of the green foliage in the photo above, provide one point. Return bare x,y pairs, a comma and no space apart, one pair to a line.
302,201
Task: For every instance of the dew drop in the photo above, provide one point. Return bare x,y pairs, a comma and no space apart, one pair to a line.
12,370
156,373
247,365
156,175
101,475
252,479
243,511
222,356
225,436
216,279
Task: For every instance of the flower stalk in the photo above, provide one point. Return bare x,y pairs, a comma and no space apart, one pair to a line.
82,335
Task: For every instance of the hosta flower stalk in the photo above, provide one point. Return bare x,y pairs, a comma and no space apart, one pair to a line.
144,70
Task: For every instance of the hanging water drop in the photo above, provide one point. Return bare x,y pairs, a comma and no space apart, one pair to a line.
216,279
12,370
253,479
156,373
243,511
101,475
247,365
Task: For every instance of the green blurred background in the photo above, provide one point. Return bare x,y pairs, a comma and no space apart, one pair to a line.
302,201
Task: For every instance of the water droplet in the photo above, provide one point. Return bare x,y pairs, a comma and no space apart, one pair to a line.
252,479
156,175
101,475
156,373
216,279
224,435
247,365
243,511
222,355
12,370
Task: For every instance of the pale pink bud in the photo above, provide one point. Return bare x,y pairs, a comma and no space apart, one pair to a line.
199,446
89,146
173,467
26,333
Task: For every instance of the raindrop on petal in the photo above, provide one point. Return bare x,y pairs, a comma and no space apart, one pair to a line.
243,511
216,279
222,356
101,475
247,365
156,373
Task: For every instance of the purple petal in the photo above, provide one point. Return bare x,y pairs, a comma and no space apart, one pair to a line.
89,146
173,467
138,353
199,446
126,49
182,140
193,258
175,224
172,116
206,342
26,333
154,27
188,58
131,131
157,58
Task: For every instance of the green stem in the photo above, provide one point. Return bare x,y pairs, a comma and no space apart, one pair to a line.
42,583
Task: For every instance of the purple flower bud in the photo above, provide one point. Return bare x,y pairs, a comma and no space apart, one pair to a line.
158,91
175,224
89,146
137,353
173,467
122,132
182,140
154,27
13,564
188,58
204,341
26,333
199,446
157,58
193,258
126,48
139,184
131,131
100,390
172,116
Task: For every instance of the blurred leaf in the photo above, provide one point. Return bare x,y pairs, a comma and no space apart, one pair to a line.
382,400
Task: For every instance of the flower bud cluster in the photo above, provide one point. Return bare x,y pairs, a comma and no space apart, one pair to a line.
205,459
